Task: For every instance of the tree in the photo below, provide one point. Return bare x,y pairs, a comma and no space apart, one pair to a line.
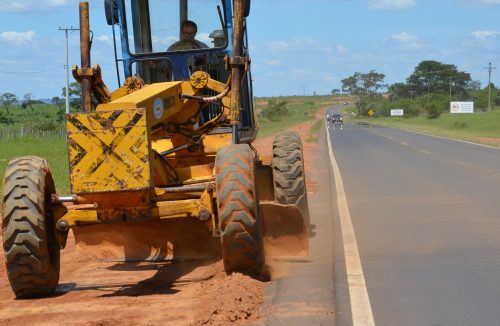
75,95
399,91
7,100
335,91
28,101
60,105
363,86
432,76
474,85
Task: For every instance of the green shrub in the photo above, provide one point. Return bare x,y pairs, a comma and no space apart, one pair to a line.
433,111
5,119
275,110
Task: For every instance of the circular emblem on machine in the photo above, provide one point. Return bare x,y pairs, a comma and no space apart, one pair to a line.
158,108
199,79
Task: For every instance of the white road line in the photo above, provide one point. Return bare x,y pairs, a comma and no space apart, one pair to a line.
361,309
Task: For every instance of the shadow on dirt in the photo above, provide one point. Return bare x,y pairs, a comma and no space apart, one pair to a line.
164,281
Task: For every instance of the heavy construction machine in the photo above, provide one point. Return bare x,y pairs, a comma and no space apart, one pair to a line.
172,145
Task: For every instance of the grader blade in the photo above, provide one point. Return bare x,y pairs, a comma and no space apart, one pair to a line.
156,240
285,233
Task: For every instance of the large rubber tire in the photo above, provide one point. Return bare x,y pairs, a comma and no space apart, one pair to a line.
289,173
32,255
240,225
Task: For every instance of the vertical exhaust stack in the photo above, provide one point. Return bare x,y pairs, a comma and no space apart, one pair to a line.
86,70
237,63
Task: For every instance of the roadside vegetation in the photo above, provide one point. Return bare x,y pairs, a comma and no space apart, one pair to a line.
425,100
277,114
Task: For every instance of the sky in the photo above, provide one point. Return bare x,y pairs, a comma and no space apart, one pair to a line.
297,47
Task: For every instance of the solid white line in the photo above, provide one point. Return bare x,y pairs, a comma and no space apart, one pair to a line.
361,309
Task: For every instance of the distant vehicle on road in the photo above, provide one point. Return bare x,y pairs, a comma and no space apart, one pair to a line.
337,121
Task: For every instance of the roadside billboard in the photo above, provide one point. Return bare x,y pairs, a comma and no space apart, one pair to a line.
461,107
397,112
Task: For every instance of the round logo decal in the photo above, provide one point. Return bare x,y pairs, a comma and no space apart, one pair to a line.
158,108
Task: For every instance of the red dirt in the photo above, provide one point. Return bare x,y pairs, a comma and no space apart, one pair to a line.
490,141
186,292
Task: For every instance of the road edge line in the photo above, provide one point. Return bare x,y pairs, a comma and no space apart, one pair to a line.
361,309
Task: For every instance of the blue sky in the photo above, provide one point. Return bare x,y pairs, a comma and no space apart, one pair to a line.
297,46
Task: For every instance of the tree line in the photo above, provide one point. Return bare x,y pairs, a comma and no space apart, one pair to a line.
9,101
428,90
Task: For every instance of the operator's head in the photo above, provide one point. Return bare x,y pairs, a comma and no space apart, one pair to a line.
188,30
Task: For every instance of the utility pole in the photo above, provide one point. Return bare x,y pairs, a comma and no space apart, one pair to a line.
67,64
450,88
411,95
490,69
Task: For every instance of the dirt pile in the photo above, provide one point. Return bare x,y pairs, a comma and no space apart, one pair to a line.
231,299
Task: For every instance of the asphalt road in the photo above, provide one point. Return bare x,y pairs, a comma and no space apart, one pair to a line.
426,215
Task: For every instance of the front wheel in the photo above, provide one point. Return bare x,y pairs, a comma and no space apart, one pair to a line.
31,253
240,225
289,172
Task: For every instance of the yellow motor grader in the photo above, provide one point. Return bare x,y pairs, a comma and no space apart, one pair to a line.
172,145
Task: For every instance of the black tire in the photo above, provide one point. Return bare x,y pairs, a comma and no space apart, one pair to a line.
289,173
32,255
240,225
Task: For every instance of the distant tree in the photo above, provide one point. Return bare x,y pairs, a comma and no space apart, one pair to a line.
363,86
432,76
60,105
75,95
400,91
335,91
28,102
474,85
7,100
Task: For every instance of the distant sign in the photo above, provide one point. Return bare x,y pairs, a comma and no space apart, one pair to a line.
371,112
397,112
462,107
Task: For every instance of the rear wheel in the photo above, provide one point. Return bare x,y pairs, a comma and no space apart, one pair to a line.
289,172
240,225
31,253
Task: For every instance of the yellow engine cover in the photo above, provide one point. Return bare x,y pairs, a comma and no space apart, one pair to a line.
109,151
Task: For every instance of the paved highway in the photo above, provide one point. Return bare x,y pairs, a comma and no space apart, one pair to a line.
426,216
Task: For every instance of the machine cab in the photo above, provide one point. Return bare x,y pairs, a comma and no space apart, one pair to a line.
155,47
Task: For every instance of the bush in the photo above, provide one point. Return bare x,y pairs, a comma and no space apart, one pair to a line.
432,110
5,119
411,108
275,110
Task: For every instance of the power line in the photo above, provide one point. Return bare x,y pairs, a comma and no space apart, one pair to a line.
29,72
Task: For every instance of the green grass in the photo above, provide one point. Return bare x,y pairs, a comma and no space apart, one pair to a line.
54,150
476,127
300,110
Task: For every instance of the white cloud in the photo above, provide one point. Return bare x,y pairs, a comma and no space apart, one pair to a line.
342,50
105,39
329,78
482,35
404,37
391,4
279,46
17,38
273,63
407,40
29,5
